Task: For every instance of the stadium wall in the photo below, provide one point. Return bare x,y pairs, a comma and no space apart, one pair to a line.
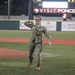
9,25
50,25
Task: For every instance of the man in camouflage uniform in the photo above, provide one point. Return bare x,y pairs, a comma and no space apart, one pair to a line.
36,40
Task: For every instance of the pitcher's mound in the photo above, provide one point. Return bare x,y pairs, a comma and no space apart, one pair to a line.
11,53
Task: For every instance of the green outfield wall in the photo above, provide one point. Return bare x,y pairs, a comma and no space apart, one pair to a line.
9,25
50,25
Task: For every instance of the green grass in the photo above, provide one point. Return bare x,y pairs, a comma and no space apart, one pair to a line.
61,64
27,34
17,46
50,66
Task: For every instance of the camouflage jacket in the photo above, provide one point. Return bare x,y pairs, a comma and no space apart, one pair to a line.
37,32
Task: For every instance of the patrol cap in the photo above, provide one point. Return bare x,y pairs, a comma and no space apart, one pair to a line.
38,18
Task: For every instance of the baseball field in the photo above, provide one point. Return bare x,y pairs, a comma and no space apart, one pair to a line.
58,59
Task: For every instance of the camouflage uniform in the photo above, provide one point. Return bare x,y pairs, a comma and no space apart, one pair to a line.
36,40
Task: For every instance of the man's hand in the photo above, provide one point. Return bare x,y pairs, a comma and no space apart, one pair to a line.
50,43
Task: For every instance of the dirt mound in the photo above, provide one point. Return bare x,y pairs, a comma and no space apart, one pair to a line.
10,53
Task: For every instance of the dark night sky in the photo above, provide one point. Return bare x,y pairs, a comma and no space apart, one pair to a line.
16,6
16,2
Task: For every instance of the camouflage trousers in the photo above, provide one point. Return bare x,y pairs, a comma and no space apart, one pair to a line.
32,47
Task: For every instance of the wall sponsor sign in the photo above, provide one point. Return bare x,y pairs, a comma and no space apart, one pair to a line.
50,25
22,26
53,10
68,26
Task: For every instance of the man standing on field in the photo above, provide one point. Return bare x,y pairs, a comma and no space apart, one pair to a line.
36,40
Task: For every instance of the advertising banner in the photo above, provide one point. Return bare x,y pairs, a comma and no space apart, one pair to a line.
50,25
68,26
22,26
53,10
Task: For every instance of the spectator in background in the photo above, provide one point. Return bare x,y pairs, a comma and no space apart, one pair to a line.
64,17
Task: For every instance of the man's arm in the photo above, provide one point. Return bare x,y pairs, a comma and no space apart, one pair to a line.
47,35
29,24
